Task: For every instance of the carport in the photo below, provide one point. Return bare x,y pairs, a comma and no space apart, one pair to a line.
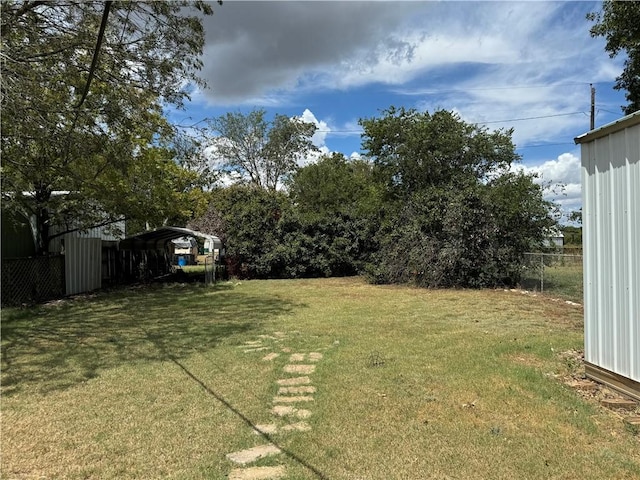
148,254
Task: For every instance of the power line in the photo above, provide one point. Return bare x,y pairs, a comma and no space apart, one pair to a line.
481,123
542,145
504,87
535,118
609,111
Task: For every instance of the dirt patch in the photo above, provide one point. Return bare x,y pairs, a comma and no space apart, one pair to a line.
270,357
594,391
526,359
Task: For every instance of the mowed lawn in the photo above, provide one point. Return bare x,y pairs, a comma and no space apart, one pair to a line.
165,381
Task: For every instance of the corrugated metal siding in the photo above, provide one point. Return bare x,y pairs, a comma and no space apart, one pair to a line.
611,242
82,263
103,233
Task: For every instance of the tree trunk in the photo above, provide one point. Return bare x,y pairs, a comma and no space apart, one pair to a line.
43,221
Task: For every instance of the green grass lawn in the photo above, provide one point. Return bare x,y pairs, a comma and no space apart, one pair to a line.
155,383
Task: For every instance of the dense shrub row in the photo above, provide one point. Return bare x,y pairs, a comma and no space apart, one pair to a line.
435,204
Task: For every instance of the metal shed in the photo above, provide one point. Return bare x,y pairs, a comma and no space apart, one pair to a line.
148,253
159,238
611,249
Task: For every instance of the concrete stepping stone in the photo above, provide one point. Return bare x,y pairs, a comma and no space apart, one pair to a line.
298,398
315,356
297,427
289,411
294,381
270,357
304,369
250,455
296,390
257,473
259,349
296,357
268,428
272,428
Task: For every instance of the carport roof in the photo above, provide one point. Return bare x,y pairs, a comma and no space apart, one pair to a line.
155,239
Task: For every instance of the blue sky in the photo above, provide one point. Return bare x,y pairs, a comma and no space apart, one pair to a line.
520,65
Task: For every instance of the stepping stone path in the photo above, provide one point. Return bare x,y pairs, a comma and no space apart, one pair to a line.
292,391
288,411
299,369
258,473
296,390
252,454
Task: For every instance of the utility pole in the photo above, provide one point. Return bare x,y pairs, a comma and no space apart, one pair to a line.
593,106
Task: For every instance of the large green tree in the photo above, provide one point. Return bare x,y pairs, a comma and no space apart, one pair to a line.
325,226
454,215
262,152
83,89
247,220
335,185
619,23
339,202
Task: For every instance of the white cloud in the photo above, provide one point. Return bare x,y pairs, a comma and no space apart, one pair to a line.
322,131
561,180
565,169
488,61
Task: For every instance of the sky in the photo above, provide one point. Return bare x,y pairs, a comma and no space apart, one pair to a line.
521,65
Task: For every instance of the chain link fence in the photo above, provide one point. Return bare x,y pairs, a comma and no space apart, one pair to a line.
32,280
554,273
209,270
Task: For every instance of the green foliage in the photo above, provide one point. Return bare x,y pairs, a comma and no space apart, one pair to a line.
576,216
107,153
267,236
456,216
335,185
572,235
413,150
250,218
619,24
263,152
410,216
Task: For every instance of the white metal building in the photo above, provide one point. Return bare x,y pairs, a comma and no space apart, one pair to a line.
611,249
87,259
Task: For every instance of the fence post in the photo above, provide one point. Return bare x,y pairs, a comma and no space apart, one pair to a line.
541,272
210,269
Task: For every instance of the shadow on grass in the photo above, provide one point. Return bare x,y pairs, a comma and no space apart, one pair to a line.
56,346
289,453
